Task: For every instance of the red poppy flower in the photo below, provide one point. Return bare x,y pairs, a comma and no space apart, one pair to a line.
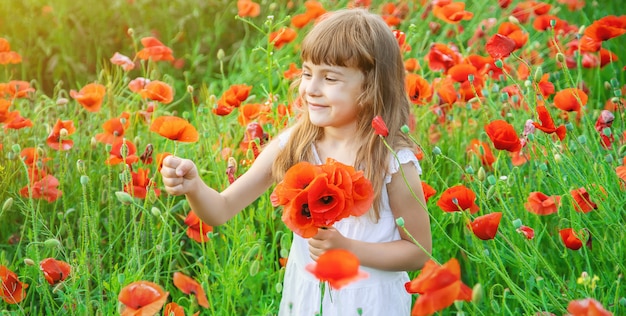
123,150
197,229
140,184
157,91
587,307
380,128
141,298
418,89
570,99
191,286
236,94
12,290
293,72
46,188
485,227
428,191
528,232
175,128
482,151
547,124
503,136
570,239
582,201
154,50
57,139
338,267
451,12
442,57
249,112
248,8
282,36
124,61
621,172
541,204
606,28
114,129
438,287
90,96
16,89
411,64
458,198
253,138
7,56
500,46
54,270
318,196
173,309
17,121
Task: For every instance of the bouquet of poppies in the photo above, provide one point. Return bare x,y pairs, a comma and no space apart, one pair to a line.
317,196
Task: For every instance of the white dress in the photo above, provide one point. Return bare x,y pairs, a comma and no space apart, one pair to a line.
382,293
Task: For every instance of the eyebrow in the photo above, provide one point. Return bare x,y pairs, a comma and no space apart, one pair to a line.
324,69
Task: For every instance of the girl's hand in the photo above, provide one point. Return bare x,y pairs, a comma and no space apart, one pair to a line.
179,175
326,239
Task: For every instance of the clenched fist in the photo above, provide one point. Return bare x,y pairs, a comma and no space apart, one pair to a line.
179,175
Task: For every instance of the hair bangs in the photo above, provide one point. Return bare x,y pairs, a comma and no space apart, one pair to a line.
324,45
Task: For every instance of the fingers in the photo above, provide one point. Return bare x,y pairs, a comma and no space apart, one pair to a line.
175,173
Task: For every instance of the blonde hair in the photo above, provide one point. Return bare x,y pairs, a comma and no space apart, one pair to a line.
360,39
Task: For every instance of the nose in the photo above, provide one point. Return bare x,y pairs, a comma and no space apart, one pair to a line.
313,86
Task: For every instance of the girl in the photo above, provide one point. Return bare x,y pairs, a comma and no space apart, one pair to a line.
352,71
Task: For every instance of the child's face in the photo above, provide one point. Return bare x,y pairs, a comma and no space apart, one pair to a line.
331,94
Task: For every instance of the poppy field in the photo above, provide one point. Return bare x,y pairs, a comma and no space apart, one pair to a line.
518,121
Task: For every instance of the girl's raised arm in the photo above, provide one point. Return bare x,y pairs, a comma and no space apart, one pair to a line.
180,176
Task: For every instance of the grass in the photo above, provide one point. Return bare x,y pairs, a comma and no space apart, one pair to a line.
109,244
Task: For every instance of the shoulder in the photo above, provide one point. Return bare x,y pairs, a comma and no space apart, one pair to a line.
283,136
402,158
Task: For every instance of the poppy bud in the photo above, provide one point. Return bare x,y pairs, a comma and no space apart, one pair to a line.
124,197
517,223
7,204
491,179
155,211
29,262
558,158
498,63
254,268
190,89
477,293
538,74
469,170
279,287
84,180
220,54
617,92
569,126
130,32
560,57
543,166
93,143
481,174
80,166
470,78
513,19
608,158
62,101
622,301
400,221
582,139
52,243
16,148
404,129
436,150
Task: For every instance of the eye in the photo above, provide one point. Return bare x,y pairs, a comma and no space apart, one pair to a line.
306,74
330,79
